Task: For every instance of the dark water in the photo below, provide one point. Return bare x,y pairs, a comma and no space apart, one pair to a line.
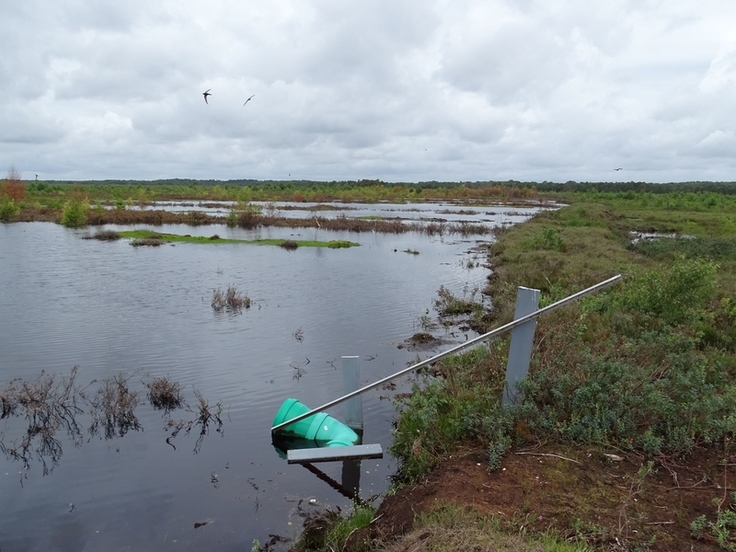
112,309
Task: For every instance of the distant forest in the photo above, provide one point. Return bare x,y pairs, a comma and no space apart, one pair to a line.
727,188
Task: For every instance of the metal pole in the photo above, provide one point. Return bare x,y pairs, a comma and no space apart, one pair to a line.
351,382
492,334
522,342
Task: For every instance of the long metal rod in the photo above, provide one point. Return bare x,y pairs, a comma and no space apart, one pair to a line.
492,334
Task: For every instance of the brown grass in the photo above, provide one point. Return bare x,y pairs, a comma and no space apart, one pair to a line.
98,217
289,245
152,242
206,417
113,411
231,300
165,394
49,406
104,235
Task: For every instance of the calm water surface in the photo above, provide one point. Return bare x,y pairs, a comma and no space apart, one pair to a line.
112,309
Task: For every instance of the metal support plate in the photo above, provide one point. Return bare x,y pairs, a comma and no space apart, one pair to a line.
333,454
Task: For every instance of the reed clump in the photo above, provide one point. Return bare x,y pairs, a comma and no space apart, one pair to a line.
104,235
113,408
49,406
205,417
152,242
164,394
289,245
447,304
53,404
231,300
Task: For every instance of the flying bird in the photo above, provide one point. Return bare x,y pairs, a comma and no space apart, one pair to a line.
205,94
249,99
618,169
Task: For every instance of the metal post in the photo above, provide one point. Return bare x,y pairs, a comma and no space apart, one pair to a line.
351,382
522,340
351,476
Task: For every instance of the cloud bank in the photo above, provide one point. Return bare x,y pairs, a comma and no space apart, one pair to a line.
401,91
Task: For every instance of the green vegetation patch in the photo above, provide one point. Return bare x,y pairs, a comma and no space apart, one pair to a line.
333,244
694,247
153,235
330,531
648,365
170,238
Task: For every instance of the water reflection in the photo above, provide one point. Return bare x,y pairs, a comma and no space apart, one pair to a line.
349,484
49,406
53,406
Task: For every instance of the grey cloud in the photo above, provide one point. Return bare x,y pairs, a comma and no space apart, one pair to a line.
424,90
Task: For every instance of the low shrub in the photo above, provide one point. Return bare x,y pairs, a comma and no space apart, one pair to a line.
247,215
720,530
666,407
675,294
74,213
549,239
8,210
444,411
693,248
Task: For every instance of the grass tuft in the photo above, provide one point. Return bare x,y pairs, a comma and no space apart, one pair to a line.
330,531
104,235
151,242
289,245
448,528
114,407
230,300
165,394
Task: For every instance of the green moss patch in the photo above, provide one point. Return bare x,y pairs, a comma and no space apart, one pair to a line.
170,238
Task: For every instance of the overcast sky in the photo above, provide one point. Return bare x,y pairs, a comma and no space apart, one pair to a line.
398,90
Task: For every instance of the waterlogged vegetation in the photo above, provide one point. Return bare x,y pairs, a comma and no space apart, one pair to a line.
638,380
230,300
96,203
53,408
330,531
151,237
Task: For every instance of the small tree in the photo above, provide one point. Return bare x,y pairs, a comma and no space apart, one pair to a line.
13,187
